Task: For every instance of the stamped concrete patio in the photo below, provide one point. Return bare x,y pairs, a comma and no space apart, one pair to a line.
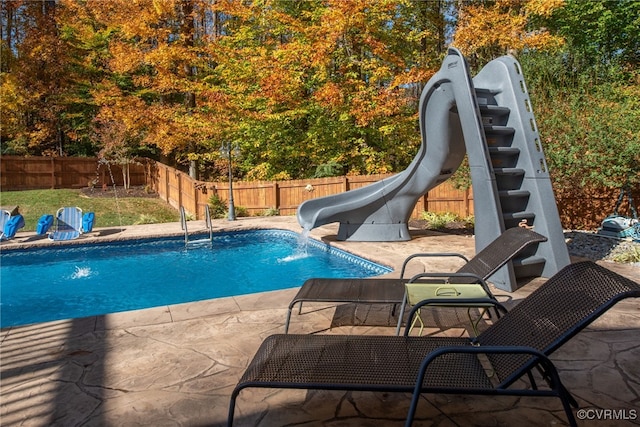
177,365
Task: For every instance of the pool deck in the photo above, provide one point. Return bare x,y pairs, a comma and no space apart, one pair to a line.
177,365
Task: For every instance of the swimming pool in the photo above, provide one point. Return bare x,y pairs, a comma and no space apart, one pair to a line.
76,281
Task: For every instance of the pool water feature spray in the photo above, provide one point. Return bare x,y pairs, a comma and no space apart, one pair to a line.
105,162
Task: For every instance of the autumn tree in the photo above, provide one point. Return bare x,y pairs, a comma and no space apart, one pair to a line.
153,69
303,87
580,61
43,98
488,29
326,83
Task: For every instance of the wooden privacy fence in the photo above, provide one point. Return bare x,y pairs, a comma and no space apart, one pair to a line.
33,173
179,189
578,208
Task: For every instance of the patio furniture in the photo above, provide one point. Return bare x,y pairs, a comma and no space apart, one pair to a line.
68,224
5,215
44,223
392,291
519,342
10,223
447,294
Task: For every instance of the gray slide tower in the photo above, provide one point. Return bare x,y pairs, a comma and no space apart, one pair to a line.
490,118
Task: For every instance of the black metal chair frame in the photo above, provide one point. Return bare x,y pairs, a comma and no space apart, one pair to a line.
514,345
392,290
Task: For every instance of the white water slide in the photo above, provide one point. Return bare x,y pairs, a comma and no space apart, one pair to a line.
490,119
380,211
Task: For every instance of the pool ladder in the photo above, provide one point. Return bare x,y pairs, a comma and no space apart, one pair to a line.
207,221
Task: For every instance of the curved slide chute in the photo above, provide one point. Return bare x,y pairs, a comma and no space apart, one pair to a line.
490,119
381,211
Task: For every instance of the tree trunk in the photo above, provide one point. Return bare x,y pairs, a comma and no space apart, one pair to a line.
188,32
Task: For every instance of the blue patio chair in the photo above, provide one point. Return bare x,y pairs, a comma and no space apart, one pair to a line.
4,219
68,224
9,224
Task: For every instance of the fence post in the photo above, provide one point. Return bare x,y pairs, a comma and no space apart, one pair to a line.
53,173
467,203
167,187
276,196
179,188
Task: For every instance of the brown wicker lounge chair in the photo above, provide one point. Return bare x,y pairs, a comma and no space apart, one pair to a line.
516,344
392,291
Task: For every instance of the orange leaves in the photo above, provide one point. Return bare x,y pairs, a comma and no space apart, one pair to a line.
127,111
284,78
412,76
125,58
496,29
543,7
329,95
272,59
370,105
12,100
163,8
135,19
280,87
148,94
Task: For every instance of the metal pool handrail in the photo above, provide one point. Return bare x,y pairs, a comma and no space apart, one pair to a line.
208,225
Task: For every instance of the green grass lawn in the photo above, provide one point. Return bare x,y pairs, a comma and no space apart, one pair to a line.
109,211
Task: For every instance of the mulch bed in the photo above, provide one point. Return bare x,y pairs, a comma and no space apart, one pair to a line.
138,191
453,227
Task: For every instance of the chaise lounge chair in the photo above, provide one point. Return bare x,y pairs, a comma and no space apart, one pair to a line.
4,219
518,342
68,224
9,224
392,291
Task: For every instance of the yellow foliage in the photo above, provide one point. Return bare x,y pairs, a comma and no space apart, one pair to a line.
502,27
11,100
543,7
124,57
329,95
264,171
413,75
163,7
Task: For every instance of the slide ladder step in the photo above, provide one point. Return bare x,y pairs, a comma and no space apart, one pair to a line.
529,267
522,188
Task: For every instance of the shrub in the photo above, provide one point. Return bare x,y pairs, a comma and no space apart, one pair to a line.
632,255
328,170
146,219
241,211
440,221
271,212
218,206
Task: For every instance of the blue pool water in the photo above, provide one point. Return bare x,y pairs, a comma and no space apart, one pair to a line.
85,280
